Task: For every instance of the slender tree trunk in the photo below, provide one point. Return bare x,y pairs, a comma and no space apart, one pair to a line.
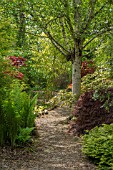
76,76
77,58
20,18
76,70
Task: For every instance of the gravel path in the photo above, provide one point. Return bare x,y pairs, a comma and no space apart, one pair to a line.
55,149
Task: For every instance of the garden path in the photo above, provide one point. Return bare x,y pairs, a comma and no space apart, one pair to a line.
54,150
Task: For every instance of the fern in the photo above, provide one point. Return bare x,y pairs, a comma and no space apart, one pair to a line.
18,112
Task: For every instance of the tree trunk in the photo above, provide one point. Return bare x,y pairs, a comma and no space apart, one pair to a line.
76,70
76,76
77,58
21,21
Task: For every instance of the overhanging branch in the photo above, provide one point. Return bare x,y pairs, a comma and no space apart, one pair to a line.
57,44
99,33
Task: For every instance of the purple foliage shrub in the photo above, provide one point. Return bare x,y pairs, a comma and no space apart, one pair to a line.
93,108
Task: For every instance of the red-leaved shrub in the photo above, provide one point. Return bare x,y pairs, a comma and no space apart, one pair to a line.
93,109
88,67
16,62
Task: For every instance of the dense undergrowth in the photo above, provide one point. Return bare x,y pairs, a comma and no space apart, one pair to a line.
17,115
16,109
93,118
93,109
99,79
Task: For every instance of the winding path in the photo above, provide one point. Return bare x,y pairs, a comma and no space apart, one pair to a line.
56,149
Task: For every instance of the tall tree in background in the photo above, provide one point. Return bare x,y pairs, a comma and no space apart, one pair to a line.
15,11
75,27
72,25
19,15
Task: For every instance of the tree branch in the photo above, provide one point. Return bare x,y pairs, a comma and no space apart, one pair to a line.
56,44
54,19
77,17
92,15
64,32
67,17
98,34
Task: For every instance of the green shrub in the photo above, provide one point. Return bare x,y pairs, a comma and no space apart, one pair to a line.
62,98
99,79
17,112
24,135
5,79
98,144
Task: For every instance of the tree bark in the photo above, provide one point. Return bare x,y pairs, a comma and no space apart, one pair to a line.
77,58
76,70
21,23
76,76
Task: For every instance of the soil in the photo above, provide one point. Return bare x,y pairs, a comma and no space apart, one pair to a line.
53,149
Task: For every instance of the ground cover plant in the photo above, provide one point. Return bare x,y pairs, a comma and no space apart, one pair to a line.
98,145
62,98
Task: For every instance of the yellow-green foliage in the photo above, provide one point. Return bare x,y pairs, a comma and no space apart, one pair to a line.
99,79
62,98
